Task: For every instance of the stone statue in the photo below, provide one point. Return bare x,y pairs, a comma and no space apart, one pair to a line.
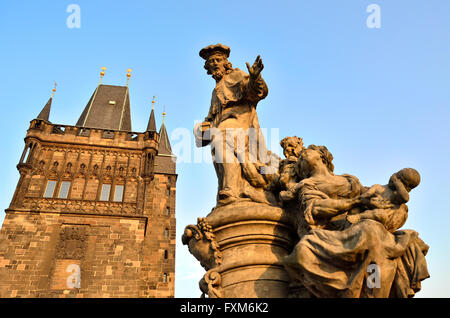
394,195
333,255
231,127
292,227
288,174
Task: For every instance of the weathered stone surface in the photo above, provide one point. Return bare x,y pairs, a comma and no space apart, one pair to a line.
335,257
252,239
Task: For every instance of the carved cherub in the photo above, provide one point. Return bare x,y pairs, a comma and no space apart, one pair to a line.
292,146
388,202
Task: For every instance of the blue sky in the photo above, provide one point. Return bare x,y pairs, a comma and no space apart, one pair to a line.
379,99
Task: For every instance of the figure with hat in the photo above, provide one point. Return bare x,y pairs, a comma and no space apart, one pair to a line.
243,164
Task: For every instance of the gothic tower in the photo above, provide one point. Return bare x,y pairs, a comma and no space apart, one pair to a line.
93,214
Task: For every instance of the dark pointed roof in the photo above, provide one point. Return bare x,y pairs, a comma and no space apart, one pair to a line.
164,143
152,122
165,161
108,108
45,112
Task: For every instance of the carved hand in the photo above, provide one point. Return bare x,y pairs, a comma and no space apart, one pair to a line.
255,70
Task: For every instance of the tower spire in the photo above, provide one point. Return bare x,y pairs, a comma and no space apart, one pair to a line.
164,143
152,122
45,112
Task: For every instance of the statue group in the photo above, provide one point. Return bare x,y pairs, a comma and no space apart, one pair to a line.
292,227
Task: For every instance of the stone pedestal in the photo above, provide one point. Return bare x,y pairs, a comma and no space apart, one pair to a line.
242,246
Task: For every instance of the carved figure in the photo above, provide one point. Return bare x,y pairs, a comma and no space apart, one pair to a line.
347,242
288,180
231,127
333,256
394,195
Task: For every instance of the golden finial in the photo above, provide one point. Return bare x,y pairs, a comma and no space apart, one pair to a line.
164,113
102,73
53,90
128,75
153,103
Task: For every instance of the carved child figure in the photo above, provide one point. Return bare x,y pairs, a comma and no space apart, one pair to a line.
292,146
389,200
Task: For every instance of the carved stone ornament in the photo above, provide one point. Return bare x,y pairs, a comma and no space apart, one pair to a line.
72,242
201,242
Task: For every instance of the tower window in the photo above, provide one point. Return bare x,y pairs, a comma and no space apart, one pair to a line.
64,190
118,193
165,278
168,191
106,190
166,254
50,189
167,211
27,154
166,233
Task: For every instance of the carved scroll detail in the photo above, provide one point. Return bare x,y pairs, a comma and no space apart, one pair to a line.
210,284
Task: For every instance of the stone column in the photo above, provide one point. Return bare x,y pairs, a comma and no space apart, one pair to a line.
242,246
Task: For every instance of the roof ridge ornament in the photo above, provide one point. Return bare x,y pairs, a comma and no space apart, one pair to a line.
54,89
164,113
128,76
102,73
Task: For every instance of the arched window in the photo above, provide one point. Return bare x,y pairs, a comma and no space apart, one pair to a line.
119,189
165,278
50,189
166,233
106,190
64,187
64,190
167,211
118,193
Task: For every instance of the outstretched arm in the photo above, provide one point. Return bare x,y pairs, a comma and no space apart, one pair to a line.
256,87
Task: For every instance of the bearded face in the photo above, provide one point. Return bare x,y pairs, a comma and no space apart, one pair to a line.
216,66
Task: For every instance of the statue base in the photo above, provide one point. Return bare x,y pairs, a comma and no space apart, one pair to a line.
242,246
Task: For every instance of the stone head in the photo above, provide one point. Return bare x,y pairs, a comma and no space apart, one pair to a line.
292,146
216,60
312,158
408,176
